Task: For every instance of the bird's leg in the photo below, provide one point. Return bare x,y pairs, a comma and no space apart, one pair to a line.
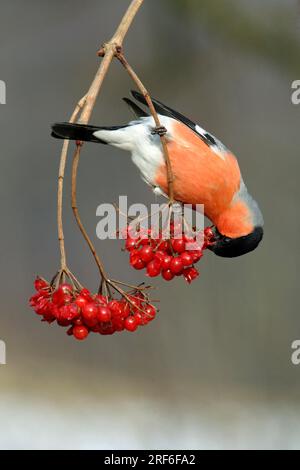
160,130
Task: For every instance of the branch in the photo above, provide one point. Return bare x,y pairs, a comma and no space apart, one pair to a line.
110,49
60,187
86,104
76,212
145,93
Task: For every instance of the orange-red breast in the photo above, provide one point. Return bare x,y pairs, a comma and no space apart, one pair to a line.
205,171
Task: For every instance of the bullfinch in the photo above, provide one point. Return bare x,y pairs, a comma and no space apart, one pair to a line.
205,171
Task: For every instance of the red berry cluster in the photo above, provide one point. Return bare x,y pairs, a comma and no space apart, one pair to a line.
168,258
83,312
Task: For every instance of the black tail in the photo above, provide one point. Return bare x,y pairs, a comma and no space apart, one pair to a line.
82,132
65,130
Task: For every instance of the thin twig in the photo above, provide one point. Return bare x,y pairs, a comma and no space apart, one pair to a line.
141,287
76,212
108,51
60,187
145,93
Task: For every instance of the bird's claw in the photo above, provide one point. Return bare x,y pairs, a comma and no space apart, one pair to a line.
160,130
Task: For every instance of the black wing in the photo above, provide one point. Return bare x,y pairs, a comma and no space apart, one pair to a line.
137,111
161,108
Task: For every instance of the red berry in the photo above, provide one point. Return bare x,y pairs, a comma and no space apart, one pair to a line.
130,244
135,304
49,318
80,332
33,300
101,299
167,275
107,329
96,328
63,322
196,254
147,254
136,261
50,310
67,298
58,298
176,265
188,238
63,295
153,268
41,306
131,323
40,284
73,310
81,301
166,261
68,312
150,312
144,241
159,255
190,274
66,288
163,246
178,245
125,309
186,258
104,314
118,323
139,264
70,331
64,315
209,237
140,318
54,310
115,308
209,233
90,313
86,294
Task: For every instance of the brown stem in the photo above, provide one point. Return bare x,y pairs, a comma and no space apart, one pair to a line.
76,212
145,93
125,24
125,295
140,287
108,52
60,187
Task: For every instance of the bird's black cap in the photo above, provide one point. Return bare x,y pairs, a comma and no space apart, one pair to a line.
233,247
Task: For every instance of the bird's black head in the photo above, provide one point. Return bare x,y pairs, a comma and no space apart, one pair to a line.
233,247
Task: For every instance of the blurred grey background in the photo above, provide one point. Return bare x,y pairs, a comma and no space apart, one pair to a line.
214,369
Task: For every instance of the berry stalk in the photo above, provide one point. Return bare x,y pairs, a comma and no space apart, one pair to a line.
60,187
